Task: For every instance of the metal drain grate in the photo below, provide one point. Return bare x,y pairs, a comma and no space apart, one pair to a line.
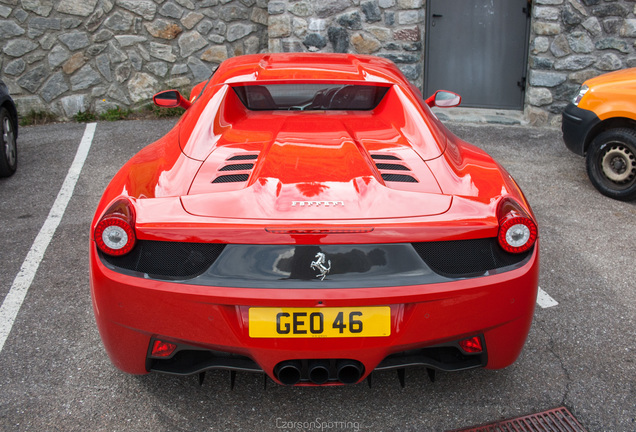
555,420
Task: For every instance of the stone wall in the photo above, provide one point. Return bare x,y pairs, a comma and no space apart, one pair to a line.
388,28
93,55
77,55
571,41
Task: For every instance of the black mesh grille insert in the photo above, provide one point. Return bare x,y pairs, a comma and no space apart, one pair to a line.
288,266
399,178
168,260
244,157
465,257
384,157
238,167
232,178
188,360
394,167
446,357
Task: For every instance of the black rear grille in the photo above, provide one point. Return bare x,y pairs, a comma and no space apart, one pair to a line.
168,260
231,178
188,360
446,357
466,257
288,266
399,178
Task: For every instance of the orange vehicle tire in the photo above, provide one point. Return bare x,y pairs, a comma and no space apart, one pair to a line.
611,163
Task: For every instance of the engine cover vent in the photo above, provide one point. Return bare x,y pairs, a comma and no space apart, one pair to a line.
238,167
243,157
240,171
384,157
398,178
232,178
393,171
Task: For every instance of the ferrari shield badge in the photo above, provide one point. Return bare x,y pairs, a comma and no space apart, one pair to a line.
319,265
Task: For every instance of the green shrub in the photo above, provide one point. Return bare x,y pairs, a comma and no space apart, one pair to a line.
115,114
84,117
166,112
37,118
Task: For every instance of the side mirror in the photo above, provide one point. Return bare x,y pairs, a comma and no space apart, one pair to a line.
444,99
170,99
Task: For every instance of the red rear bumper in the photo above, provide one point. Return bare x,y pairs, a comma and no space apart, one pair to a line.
130,311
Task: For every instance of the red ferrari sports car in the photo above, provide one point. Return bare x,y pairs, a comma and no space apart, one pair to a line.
311,219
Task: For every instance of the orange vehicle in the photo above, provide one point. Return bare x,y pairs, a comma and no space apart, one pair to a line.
600,124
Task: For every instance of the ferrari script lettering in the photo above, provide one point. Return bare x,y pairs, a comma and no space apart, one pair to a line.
317,203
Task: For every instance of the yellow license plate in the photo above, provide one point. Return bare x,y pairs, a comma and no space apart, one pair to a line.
320,322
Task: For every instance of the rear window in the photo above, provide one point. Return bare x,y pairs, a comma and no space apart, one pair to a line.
310,97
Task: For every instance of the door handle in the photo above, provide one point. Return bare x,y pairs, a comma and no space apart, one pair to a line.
437,16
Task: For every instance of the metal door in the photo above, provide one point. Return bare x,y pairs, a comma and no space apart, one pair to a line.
478,48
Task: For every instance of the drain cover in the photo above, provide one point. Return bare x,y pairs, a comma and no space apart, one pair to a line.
555,420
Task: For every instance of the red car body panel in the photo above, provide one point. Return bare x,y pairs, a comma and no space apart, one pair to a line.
314,182
132,310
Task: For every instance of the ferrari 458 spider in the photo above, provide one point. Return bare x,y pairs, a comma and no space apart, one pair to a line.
311,219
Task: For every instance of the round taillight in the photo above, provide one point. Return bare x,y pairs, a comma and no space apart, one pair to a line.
114,236
517,234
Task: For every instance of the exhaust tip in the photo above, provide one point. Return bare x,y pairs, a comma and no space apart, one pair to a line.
319,372
349,371
288,372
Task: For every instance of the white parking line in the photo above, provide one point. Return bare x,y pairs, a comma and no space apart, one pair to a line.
13,301
544,300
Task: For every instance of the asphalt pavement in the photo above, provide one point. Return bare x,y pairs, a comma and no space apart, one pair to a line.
55,375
